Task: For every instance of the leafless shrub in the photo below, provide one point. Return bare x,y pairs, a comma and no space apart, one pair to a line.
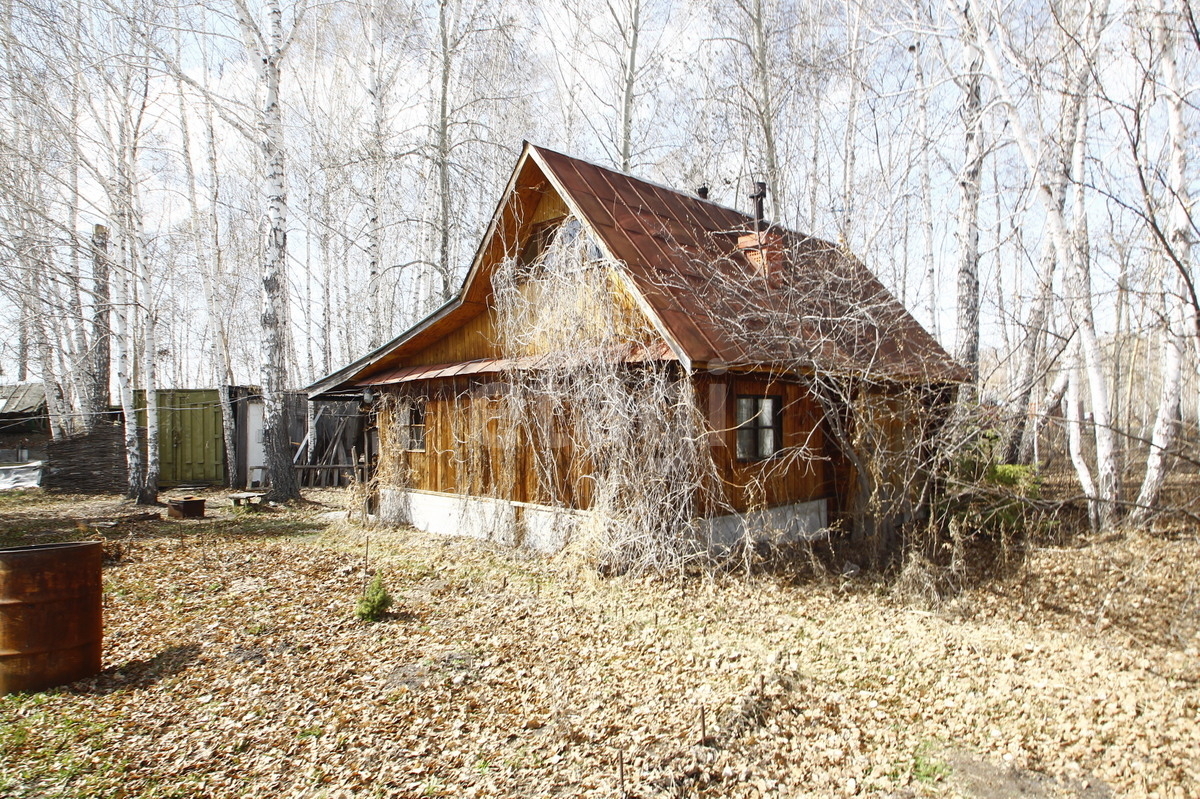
589,414
615,421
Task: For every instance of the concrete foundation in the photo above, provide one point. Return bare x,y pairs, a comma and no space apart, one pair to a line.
546,529
786,524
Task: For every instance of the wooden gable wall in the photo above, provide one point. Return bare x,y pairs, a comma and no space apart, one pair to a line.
479,337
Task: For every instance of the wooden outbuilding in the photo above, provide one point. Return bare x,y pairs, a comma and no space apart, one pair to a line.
614,336
24,422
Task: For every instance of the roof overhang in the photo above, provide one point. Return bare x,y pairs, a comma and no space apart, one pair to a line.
631,354
341,384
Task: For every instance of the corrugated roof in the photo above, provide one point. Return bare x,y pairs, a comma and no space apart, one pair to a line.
822,309
26,399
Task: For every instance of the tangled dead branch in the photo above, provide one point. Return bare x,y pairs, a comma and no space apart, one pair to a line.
591,414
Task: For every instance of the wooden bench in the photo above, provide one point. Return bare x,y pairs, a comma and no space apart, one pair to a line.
249,497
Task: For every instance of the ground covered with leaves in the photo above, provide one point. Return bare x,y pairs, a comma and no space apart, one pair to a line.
236,665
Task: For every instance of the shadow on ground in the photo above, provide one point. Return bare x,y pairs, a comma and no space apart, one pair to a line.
139,673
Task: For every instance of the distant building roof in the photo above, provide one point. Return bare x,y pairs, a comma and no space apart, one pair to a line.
23,399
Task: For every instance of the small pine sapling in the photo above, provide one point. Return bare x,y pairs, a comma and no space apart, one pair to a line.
375,601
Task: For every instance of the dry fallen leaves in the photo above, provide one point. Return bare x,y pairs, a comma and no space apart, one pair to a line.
235,667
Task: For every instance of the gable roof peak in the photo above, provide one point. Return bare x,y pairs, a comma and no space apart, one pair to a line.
685,260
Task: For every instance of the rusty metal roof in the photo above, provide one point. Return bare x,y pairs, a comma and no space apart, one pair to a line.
820,309
630,353
407,374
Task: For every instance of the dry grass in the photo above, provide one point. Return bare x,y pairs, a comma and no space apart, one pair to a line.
235,667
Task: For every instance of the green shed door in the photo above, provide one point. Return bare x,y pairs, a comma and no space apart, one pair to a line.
191,446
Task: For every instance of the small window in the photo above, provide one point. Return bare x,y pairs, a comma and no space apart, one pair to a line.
549,241
416,426
759,427
539,239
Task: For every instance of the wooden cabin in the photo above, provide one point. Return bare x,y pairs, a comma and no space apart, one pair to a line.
590,288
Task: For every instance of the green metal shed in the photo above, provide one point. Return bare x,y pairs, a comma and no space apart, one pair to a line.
191,445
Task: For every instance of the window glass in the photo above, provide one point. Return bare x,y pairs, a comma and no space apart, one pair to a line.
759,427
555,239
745,444
766,441
416,426
745,410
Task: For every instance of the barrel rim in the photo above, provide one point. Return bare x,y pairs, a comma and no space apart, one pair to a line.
35,548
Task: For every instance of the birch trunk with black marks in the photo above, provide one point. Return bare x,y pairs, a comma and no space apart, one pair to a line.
850,136
123,339
1032,348
82,372
444,147
928,288
376,155
55,407
1178,234
755,87
274,318
1018,447
207,245
1166,421
630,33
969,177
1074,421
101,326
148,490
131,100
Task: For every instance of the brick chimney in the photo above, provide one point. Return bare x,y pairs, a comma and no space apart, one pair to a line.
764,250
762,246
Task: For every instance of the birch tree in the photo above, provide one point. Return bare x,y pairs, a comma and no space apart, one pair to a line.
1175,238
471,48
267,42
37,177
1082,44
928,284
378,88
755,57
970,177
127,99
626,35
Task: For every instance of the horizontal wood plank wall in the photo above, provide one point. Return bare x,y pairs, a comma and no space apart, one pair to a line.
480,337
801,472
470,450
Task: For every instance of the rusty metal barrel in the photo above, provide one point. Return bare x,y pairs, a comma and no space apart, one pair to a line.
51,614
